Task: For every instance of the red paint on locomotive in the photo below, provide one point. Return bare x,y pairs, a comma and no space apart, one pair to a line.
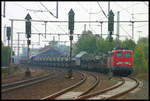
122,58
120,62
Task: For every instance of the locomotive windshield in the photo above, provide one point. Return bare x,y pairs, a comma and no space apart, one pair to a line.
128,54
119,54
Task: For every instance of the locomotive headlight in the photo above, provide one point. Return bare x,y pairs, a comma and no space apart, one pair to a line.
119,62
127,62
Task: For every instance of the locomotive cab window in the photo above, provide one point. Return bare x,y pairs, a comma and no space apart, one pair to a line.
128,54
119,54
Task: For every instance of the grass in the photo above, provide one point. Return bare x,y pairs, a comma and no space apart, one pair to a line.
47,72
112,80
4,72
140,73
142,76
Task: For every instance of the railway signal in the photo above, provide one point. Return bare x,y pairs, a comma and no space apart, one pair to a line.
8,33
28,25
111,22
8,38
28,33
71,21
71,28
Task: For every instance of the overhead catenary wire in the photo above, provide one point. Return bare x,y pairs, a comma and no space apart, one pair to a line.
125,31
121,7
52,21
102,9
33,10
140,26
82,7
30,10
61,28
20,6
47,9
43,15
46,17
124,9
36,10
27,10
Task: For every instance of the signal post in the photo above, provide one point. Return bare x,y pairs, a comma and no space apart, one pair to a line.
71,29
28,34
8,38
110,30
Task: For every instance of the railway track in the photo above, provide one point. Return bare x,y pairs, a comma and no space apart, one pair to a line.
42,89
126,85
23,83
86,88
75,90
21,76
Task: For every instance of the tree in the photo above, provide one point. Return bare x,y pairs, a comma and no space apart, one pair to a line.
141,55
128,43
5,55
144,41
139,58
87,42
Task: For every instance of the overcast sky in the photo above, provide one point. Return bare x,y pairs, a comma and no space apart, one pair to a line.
137,11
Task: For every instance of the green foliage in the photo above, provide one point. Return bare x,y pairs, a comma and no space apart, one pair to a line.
145,43
4,72
89,39
143,40
5,55
104,46
141,56
5,51
128,43
93,44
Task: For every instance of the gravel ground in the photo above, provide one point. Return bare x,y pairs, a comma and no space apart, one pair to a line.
104,82
141,93
51,86
86,84
21,76
43,89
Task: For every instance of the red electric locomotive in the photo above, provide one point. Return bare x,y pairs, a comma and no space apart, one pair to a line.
121,62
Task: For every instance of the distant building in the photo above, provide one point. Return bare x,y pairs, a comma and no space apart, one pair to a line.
45,48
48,51
34,51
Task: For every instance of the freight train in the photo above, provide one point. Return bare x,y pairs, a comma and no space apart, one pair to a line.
119,62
